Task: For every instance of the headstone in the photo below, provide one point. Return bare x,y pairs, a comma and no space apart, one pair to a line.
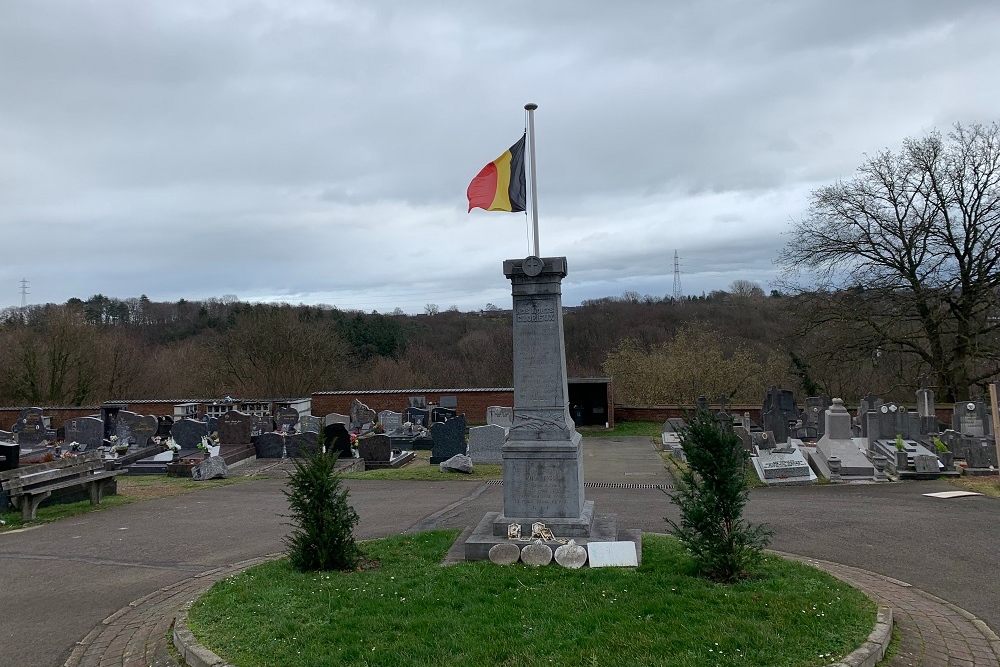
972,418
164,422
188,432
457,463
486,443
815,414
440,414
135,429
214,467
390,421
783,400
337,438
30,427
361,414
702,402
776,423
449,439
88,431
270,446
235,428
416,416
310,424
536,554
336,417
497,415
612,554
571,555
301,443
925,463
262,424
286,418
212,421
505,553
375,449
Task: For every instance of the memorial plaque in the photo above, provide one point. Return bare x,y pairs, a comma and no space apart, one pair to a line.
87,431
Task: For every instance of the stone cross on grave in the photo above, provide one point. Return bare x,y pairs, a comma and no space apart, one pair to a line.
723,402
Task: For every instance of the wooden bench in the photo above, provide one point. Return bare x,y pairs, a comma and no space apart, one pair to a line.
30,485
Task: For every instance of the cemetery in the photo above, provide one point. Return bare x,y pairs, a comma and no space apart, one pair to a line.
543,529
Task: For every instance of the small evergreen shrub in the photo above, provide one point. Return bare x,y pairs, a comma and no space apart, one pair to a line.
323,538
713,492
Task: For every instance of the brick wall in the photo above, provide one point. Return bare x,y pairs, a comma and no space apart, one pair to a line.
8,416
472,403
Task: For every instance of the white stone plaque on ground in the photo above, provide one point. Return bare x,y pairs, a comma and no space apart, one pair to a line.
164,457
952,494
612,554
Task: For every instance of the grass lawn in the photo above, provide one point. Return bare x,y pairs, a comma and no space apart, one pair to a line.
130,490
988,486
421,469
412,611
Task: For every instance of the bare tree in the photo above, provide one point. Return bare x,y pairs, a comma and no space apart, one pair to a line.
907,253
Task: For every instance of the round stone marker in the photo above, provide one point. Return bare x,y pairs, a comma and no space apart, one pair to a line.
505,553
571,555
538,553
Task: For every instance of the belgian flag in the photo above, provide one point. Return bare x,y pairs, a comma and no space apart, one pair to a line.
500,186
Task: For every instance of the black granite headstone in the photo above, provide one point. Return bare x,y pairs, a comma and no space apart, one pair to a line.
300,443
449,439
188,432
164,425
375,449
442,414
336,438
88,431
136,429
30,427
416,416
286,418
270,446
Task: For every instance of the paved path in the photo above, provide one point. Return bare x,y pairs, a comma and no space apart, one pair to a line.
66,578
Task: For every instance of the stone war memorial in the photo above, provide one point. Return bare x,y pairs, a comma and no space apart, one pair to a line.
542,453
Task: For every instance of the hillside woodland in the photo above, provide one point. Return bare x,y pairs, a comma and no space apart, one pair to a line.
659,352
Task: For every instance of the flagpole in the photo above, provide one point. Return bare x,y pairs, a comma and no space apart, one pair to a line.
530,108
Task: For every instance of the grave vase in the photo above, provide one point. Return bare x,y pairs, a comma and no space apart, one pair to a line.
901,461
834,464
947,460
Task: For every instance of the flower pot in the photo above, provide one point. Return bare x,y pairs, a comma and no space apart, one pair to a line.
901,461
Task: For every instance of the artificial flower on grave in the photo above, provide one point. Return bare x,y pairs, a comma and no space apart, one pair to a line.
378,428
354,440
171,444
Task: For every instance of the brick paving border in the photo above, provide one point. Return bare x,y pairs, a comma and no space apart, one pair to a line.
933,632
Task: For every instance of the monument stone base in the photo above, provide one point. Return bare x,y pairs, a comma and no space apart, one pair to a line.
476,545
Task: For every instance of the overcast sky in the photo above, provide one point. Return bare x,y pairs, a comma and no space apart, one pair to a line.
319,152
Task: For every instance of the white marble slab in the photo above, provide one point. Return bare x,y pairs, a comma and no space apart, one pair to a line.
952,494
612,554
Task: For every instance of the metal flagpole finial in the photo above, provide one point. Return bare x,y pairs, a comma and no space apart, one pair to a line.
530,106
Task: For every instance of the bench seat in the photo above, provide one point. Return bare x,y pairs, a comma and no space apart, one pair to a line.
29,486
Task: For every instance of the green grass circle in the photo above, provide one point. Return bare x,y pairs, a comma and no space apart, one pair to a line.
412,611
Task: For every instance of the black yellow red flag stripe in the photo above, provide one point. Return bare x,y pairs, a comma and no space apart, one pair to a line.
500,186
